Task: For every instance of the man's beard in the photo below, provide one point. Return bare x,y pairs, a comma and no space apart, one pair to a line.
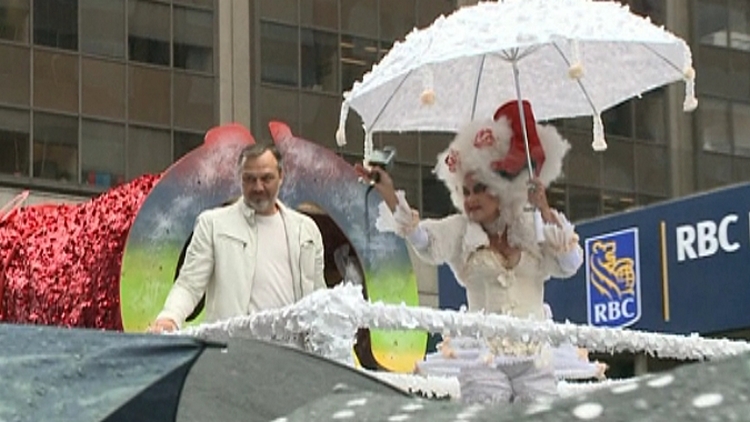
260,204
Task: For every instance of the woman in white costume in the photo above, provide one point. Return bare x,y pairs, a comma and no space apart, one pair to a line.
495,246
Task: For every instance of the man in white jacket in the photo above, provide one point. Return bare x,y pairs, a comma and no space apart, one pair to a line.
253,255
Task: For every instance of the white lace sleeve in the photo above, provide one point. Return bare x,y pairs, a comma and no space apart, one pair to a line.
403,221
562,241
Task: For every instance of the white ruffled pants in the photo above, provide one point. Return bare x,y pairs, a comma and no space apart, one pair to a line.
521,382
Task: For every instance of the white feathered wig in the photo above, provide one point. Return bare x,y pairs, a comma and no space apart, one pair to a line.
493,151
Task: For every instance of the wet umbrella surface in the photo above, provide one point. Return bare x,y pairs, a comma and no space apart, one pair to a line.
709,391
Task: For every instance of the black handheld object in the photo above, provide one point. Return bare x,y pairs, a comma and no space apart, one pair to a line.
382,158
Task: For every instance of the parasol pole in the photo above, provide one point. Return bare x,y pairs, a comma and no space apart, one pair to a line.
538,222
514,63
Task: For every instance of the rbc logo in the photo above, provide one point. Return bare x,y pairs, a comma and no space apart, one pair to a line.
613,286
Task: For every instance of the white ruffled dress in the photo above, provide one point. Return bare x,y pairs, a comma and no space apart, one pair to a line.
492,286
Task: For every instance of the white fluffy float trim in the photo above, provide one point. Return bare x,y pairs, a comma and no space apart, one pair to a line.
329,319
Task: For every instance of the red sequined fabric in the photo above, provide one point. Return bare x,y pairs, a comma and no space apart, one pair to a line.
60,264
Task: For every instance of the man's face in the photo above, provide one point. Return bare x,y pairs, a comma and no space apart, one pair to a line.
261,180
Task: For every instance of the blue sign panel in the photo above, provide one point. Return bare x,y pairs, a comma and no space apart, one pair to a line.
613,282
691,267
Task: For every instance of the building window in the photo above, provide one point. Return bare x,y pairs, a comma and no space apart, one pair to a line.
715,170
741,128
397,18
278,10
279,54
102,88
358,17
584,203
613,202
149,151
102,153
619,120
14,20
582,164
149,96
713,129
739,25
277,104
103,27
618,169
56,23
193,101
357,58
56,81
184,142
320,13
429,10
193,39
320,59
436,200
713,22
55,147
650,117
652,169
14,142
320,118
148,32
14,75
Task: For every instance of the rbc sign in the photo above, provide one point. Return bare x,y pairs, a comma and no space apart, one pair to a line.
613,279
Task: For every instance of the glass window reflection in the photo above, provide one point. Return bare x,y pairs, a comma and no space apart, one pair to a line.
149,95
278,54
650,117
149,151
185,142
319,60
357,17
14,142
56,81
713,129
148,32
14,20
712,22
103,88
584,203
739,25
319,13
652,169
357,57
55,147
193,101
102,153
319,118
741,128
193,39
103,27
14,75
56,23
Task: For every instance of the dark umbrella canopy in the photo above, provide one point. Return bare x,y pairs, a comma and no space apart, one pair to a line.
58,374
708,391
252,380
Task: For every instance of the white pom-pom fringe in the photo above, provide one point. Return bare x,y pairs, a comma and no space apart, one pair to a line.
341,131
691,103
329,318
575,71
427,97
599,144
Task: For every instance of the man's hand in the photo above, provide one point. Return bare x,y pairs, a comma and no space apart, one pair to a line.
163,325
